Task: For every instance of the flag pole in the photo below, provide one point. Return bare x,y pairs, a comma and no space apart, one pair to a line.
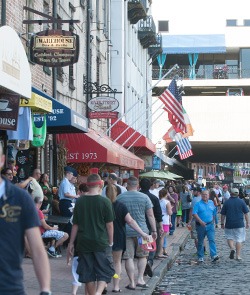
145,94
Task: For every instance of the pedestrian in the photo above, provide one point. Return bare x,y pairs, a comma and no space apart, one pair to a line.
235,210
186,199
173,198
225,194
138,205
204,212
166,221
192,221
113,179
145,186
213,197
123,217
18,218
82,190
93,226
50,232
66,192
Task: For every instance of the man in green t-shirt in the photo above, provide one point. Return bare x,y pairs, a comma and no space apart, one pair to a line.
93,226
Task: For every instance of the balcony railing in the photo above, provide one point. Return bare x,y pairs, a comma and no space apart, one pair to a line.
232,72
156,49
147,32
137,9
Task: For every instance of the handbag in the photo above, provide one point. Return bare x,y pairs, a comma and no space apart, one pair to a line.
147,245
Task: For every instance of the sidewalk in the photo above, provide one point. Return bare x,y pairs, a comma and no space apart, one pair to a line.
61,273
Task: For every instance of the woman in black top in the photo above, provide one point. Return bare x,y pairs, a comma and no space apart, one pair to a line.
122,216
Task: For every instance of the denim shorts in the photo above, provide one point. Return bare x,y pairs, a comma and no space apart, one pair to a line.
96,266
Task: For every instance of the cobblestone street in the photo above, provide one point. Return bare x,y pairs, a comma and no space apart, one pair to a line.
225,277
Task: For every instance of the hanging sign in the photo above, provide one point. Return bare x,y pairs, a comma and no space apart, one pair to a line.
9,106
54,48
103,107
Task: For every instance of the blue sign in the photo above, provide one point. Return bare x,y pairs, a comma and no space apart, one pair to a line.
156,163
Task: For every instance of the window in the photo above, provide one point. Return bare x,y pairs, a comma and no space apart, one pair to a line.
246,22
46,10
163,26
231,22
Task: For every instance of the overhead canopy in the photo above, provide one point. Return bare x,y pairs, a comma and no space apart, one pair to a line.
157,174
62,119
130,137
15,74
94,147
183,44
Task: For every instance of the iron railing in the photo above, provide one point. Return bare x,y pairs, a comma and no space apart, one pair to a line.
233,72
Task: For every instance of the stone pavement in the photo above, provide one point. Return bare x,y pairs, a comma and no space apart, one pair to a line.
224,277
61,273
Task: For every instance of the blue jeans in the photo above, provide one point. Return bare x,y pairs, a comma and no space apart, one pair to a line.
202,232
172,228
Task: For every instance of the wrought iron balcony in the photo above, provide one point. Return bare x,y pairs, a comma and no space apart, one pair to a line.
137,9
147,32
156,49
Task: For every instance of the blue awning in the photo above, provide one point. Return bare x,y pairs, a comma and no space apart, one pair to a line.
62,119
183,44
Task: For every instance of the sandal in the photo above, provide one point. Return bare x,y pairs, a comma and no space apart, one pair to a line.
117,291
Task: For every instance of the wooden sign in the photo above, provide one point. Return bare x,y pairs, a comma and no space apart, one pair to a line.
54,48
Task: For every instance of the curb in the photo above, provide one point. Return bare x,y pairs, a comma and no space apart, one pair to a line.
165,265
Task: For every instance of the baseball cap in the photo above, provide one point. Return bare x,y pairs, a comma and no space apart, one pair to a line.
234,190
161,183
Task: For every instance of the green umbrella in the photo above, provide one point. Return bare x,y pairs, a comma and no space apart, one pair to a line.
156,174
173,175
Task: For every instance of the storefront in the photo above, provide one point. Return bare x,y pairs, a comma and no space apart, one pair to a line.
15,82
61,120
96,150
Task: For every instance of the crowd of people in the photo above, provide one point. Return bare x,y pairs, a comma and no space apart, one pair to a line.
110,223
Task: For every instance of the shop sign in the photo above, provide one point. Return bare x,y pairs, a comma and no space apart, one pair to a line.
54,48
103,104
156,163
103,115
9,107
103,107
37,103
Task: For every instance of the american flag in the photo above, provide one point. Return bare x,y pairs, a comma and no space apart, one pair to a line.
184,148
171,99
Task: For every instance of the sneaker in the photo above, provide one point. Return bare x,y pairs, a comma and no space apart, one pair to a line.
149,270
51,253
200,260
232,252
58,255
215,258
239,258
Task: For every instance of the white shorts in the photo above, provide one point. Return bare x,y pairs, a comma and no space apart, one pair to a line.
236,234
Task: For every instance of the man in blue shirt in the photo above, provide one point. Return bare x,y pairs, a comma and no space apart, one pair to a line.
235,209
204,212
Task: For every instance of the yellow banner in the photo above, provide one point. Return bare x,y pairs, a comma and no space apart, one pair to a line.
37,103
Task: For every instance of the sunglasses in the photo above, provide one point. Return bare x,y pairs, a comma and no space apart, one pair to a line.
9,174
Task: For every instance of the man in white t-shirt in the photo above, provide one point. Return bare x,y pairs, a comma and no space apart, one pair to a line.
113,180
225,193
154,189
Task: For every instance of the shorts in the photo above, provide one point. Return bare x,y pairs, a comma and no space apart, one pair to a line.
166,228
193,230
236,234
56,234
133,249
96,266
